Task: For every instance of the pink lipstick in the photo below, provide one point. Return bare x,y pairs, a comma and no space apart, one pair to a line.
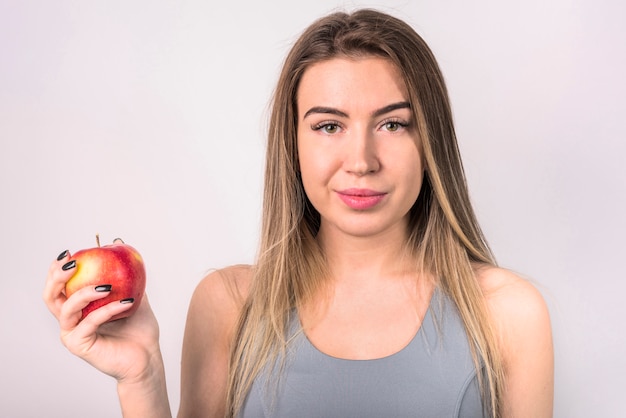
361,199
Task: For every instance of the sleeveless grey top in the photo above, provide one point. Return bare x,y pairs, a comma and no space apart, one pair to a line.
432,377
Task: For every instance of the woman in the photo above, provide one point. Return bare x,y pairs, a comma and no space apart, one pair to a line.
374,293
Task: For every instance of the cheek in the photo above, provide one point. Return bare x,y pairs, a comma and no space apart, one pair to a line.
418,180
312,177
307,164
305,178
411,172
316,164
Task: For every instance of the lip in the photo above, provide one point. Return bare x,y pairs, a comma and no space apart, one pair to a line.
361,199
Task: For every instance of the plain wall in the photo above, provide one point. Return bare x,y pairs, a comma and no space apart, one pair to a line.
146,120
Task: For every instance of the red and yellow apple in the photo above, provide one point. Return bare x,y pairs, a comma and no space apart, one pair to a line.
118,265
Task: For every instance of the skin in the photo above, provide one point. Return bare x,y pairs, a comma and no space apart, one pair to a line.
139,371
370,287
356,131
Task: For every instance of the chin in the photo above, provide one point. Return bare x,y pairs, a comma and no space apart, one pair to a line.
366,227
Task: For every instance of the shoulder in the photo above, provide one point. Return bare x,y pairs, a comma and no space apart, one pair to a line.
512,300
226,286
220,295
211,321
522,325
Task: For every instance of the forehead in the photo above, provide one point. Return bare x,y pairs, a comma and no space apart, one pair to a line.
351,84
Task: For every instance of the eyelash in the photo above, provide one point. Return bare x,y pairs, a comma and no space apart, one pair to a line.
322,125
331,123
401,123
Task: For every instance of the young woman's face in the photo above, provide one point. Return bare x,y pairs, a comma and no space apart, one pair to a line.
359,151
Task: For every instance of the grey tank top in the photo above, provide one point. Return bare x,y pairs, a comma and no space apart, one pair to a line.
432,377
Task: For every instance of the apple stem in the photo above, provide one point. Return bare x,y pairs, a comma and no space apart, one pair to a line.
98,240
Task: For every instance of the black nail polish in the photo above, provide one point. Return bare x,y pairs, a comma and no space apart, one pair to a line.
69,265
129,300
104,288
118,239
62,255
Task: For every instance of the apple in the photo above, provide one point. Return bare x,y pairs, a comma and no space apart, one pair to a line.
118,265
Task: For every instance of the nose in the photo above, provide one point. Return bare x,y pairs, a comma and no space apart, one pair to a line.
361,156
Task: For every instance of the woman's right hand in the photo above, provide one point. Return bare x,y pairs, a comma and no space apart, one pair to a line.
126,349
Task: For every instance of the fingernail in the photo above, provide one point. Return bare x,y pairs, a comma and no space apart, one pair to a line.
69,265
118,239
129,300
103,288
62,255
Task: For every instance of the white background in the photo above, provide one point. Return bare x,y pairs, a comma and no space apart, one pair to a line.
146,119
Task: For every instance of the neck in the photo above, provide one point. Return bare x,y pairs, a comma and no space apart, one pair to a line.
361,259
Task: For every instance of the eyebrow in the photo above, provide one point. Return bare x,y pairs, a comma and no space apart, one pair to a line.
337,112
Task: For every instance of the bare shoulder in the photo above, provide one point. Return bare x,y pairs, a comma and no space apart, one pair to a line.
217,301
211,321
224,291
522,323
511,299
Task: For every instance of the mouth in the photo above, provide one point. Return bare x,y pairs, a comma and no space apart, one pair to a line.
361,199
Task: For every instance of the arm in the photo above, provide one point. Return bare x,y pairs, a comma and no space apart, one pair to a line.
211,321
523,324
147,396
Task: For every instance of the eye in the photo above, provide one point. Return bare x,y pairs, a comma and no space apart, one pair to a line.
393,125
327,127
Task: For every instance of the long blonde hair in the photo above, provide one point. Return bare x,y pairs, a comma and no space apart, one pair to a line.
444,233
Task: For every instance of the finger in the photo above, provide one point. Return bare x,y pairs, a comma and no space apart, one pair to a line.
118,241
144,313
71,311
60,271
104,314
82,337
